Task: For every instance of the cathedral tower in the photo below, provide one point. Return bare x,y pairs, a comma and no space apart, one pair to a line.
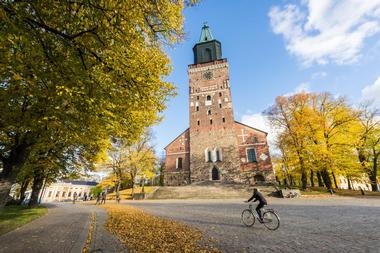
212,137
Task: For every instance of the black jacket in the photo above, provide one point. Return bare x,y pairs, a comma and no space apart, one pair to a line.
258,197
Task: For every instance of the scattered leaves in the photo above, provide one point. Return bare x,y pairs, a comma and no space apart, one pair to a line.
142,232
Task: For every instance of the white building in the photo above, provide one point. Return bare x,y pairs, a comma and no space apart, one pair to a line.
64,191
356,184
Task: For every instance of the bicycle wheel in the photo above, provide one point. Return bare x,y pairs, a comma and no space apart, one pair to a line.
271,220
248,218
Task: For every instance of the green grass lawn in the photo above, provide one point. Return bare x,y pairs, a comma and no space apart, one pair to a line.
13,217
127,194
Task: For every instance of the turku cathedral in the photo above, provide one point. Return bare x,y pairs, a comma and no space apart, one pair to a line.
215,147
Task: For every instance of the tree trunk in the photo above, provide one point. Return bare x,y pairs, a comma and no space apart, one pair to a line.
133,186
312,178
335,183
38,181
373,177
326,179
7,179
11,167
118,191
349,183
303,174
319,177
24,187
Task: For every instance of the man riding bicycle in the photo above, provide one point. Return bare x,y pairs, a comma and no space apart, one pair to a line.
262,201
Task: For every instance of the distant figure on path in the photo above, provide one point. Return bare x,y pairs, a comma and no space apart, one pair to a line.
85,197
74,197
104,196
262,201
98,199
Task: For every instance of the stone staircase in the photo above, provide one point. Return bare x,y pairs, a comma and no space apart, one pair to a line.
209,190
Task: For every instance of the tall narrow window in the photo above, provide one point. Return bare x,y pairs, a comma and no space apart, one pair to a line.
208,98
218,154
179,163
209,156
251,155
220,105
224,120
199,123
197,108
220,94
210,121
50,192
197,97
209,112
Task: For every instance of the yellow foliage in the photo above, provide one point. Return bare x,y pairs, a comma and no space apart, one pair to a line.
142,232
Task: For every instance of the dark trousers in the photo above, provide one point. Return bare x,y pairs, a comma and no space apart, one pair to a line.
258,208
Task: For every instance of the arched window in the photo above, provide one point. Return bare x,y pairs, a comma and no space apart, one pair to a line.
208,155
209,112
208,98
218,155
197,108
69,195
179,163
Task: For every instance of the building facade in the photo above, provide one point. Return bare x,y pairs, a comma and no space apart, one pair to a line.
64,191
215,147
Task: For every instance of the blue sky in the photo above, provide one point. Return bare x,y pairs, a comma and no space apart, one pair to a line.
277,48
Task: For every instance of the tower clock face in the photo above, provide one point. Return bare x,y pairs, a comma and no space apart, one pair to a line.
207,75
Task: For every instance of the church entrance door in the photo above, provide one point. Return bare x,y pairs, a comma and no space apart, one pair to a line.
215,174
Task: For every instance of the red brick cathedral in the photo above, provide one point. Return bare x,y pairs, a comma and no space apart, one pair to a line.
215,147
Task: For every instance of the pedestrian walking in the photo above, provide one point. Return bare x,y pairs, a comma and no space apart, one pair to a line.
104,196
98,199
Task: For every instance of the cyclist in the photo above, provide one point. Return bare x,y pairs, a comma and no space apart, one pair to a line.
262,201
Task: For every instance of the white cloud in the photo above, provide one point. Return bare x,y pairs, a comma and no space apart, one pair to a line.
323,31
303,87
372,93
318,75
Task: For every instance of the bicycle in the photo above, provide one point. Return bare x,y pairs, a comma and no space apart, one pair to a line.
270,218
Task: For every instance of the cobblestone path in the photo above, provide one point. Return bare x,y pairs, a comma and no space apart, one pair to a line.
63,230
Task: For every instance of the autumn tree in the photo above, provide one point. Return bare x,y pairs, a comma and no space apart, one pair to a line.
92,69
368,143
288,115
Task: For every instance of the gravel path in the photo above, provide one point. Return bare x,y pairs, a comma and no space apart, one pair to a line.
63,229
307,225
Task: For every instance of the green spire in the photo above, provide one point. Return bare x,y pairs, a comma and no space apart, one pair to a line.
205,34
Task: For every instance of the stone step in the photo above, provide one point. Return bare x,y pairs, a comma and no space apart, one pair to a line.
214,191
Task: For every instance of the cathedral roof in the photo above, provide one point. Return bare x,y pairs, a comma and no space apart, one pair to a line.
177,137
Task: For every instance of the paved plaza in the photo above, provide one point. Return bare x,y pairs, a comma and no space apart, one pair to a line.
307,225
